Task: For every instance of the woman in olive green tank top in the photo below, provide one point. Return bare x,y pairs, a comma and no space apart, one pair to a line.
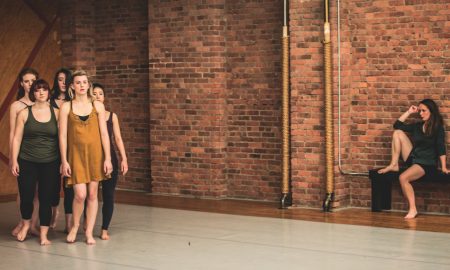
35,159
83,159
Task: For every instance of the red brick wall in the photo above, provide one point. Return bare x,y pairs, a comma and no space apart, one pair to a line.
254,99
109,40
394,53
214,79
188,97
214,97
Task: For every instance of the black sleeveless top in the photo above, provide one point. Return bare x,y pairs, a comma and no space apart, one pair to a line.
109,125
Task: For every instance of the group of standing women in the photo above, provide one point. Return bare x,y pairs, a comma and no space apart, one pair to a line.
63,137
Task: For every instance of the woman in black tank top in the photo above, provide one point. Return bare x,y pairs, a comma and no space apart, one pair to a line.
35,159
26,78
61,81
109,186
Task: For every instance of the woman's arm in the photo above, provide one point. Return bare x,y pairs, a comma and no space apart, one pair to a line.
444,164
17,141
441,149
120,145
12,125
100,108
63,118
399,124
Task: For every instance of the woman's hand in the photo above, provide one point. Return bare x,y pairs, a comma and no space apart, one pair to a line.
107,167
15,168
124,166
413,109
65,169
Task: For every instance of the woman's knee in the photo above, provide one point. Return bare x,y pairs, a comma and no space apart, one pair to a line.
398,133
79,197
93,195
404,179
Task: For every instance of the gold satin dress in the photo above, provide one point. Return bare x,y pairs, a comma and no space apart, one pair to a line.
84,149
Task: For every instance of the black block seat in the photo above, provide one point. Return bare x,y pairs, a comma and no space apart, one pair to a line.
382,186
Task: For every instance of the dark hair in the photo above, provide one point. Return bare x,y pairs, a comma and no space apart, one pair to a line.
38,84
435,121
23,72
98,85
56,91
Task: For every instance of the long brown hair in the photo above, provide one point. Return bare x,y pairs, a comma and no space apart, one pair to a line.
23,72
435,121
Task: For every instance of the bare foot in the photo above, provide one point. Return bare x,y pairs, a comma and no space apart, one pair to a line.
55,214
22,235
390,168
17,229
411,215
45,241
90,239
35,232
72,236
104,235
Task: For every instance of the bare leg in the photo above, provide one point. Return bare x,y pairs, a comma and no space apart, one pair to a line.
22,235
69,223
104,235
78,207
44,239
55,214
400,145
19,225
91,212
411,174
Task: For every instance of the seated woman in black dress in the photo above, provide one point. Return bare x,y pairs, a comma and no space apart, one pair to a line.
422,154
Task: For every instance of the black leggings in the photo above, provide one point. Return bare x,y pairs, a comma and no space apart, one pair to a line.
56,197
68,197
108,189
46,175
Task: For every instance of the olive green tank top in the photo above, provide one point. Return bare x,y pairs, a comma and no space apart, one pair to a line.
40,140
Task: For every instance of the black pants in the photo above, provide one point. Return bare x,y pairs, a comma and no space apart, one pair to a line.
108,189
46,176
56,198
68,197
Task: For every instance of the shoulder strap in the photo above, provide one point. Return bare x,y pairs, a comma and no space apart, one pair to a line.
110,119
24,103
52,111
53,103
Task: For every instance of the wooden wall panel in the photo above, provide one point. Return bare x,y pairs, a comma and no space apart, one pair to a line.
4,136
29,34
46,9
20,29
48,60
8,181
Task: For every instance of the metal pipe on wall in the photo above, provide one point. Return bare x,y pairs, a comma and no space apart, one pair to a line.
286,196
329,143
342,171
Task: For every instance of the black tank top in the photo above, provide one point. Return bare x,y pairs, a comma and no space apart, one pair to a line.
110,126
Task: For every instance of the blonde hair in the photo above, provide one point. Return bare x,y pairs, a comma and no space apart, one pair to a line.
79,73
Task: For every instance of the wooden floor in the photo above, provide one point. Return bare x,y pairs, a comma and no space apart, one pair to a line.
354,216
